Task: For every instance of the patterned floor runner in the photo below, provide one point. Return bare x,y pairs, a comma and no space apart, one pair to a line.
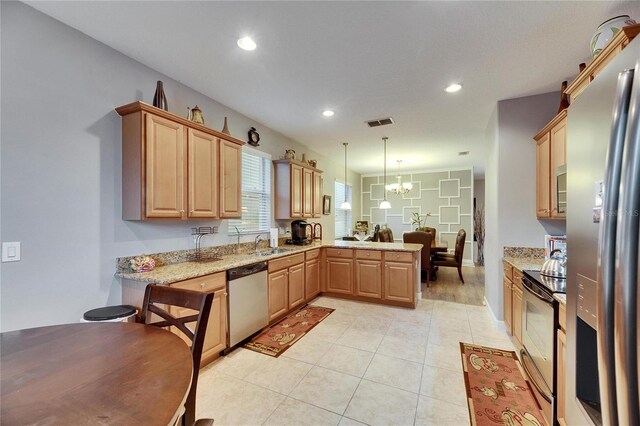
497,390
281,336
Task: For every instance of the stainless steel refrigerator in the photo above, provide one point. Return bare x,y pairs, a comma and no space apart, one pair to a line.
603,202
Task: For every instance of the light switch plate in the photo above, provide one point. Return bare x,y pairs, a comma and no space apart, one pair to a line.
11,251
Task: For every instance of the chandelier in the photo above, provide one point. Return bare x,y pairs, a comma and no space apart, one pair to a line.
399,187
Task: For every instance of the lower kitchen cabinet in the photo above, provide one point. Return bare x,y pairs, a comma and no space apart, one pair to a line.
215,339
517,314
311,279
399,282
296,285
340,272
369,278
278,291
285,284
561,377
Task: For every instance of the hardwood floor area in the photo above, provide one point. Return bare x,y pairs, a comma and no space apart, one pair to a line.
449,288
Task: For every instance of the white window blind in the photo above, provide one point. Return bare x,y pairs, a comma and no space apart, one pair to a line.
344,218
256,193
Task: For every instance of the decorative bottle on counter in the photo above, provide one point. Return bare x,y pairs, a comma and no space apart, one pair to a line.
159,99
564,100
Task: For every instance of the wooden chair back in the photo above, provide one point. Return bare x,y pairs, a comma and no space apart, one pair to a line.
385,235
424,238
157,300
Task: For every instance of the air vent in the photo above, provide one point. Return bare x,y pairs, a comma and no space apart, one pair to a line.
380,122
463,153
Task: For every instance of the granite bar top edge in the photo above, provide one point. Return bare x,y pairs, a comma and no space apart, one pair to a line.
171,273
525,263
560,297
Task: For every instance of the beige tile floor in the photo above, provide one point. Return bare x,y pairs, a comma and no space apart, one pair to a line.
364,364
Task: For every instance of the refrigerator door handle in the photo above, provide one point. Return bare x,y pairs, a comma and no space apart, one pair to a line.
626,282
607,249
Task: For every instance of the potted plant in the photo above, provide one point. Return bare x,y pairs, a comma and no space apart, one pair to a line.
416,219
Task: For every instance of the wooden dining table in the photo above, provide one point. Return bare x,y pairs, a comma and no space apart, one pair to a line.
93,374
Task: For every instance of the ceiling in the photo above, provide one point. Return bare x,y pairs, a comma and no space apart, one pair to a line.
364,60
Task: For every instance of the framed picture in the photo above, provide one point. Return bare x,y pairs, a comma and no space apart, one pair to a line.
326,204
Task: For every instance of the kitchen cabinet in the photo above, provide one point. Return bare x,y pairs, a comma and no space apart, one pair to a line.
369,278
507,297
615,46
516,300
398,282
339,272
561,377
175,168
550,155
215,339
297,186
312,274
286,284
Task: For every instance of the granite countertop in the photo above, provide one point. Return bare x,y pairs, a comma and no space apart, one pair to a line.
170,273
560,297
525,263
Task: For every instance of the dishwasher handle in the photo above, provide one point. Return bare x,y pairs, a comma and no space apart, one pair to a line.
243,271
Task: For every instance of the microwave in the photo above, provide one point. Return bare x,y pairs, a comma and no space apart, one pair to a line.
561,189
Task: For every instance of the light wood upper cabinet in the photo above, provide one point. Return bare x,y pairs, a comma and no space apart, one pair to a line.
278,293
369,278
296,285
202,150
175,168
165,167
550,154
298,190
318,189
230,180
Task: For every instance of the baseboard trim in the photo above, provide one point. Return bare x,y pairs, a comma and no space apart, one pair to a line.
493,315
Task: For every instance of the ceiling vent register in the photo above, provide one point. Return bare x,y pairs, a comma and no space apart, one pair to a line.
380,122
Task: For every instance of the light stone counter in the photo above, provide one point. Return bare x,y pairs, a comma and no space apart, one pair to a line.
525,263
560,297
173,272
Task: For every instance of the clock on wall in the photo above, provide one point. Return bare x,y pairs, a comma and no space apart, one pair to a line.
254,137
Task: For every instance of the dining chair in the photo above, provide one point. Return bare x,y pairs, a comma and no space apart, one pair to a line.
424,238
452,260
157,299
385,235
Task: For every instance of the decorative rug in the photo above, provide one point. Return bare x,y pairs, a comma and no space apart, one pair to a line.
497,391
276,339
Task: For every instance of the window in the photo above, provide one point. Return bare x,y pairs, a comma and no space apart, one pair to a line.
344,218
256,193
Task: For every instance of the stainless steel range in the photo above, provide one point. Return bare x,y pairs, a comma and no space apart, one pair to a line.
539,334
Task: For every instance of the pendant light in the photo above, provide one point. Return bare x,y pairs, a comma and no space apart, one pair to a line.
385,204
345,205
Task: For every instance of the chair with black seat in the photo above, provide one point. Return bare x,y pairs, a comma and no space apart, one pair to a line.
452,260
424,238
157,299
385,235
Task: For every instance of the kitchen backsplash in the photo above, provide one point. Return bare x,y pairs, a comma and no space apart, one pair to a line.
530,252
179,256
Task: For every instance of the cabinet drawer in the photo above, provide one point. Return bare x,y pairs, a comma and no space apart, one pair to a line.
397,256
517,277
206,283
508,270
369,254
285,262
343,253
312,254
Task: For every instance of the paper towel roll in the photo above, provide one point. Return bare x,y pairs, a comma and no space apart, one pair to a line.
273,237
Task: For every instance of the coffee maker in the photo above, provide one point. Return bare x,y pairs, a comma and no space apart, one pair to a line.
299,234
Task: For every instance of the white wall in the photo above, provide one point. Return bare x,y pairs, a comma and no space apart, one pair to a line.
510,183
61,168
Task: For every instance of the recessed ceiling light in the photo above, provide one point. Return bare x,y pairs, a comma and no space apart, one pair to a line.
453,87
328,113
246,43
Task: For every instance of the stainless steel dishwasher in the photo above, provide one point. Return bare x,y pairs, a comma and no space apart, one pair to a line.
248,301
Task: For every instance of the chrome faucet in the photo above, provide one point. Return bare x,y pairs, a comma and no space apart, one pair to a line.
258,239
238,234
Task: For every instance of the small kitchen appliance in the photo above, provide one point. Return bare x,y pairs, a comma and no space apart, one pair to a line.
300,233
556,265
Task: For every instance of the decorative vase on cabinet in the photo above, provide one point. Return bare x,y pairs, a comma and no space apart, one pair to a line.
159,99
606,31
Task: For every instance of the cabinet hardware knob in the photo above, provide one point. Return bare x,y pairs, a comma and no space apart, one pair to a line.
225,294
181,211
201,285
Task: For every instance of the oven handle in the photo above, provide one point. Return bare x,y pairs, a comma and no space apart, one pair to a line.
533,291
524,354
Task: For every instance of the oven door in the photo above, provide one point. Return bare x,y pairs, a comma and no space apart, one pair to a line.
538,333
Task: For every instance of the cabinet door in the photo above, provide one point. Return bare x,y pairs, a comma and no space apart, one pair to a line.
516,294
307,192
369,278
318,188
165,178
278,294
339,275
398,281
296,285
562,377
202,152
543,176
296,191
558,158
230,180
507,305
312,279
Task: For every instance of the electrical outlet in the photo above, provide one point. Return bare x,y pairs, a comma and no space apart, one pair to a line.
11,252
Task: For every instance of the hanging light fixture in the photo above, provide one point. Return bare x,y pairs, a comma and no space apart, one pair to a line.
345,205
385,204
399,187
